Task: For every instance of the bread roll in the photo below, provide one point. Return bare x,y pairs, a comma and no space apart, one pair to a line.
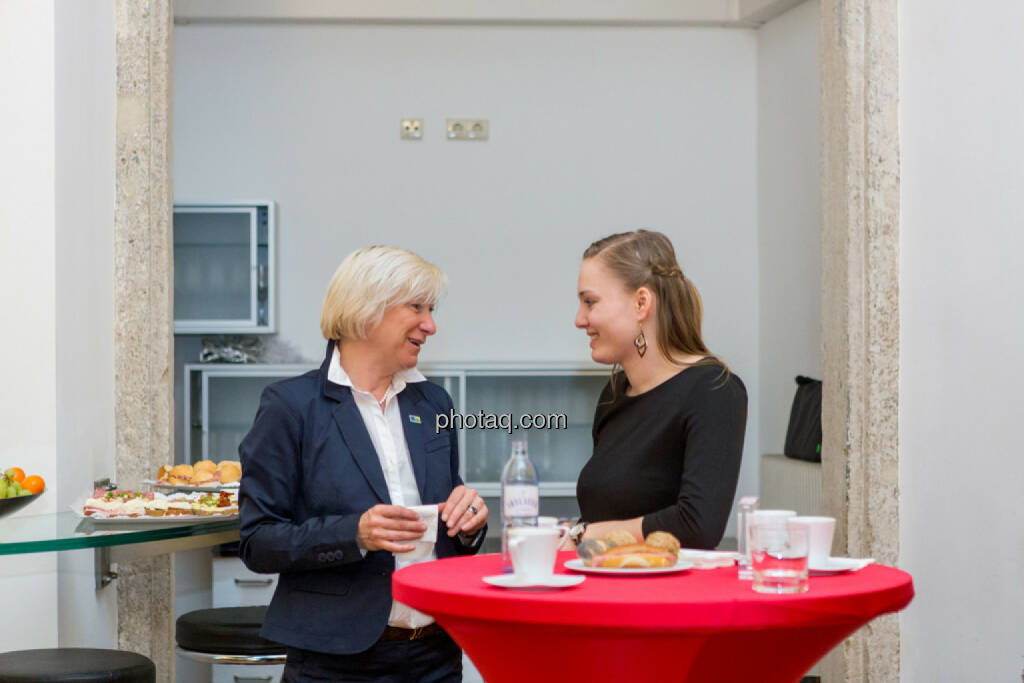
588,550
201,477
637,560
205,466
632,548
230,473
634,555
619,537
663,540
182,471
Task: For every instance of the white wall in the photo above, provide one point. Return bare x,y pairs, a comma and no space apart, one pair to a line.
789,207
961,287
56,290
28,416
593,131
85,122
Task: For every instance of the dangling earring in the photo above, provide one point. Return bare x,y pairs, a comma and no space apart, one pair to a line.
640,343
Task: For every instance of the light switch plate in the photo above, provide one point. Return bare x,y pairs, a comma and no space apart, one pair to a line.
468,129
412,129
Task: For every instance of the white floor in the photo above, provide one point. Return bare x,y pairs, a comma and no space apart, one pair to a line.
469,672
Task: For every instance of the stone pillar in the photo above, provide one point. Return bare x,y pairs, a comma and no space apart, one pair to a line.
143,307
860,305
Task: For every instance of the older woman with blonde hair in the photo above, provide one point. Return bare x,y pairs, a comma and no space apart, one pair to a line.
668,429
334,462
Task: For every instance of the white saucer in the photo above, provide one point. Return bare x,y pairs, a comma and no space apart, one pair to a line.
838,565
553,581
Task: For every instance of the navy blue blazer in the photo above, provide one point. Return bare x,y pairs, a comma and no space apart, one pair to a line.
309,471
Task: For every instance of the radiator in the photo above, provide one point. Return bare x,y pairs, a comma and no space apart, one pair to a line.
788,484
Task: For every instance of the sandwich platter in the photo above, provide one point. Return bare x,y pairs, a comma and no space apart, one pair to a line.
204,475
136,507
153,521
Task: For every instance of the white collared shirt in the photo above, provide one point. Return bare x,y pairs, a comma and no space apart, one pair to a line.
388,437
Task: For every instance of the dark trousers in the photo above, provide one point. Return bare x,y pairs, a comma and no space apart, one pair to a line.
425,660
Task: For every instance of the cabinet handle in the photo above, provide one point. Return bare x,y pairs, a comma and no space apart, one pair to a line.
253,582
253,679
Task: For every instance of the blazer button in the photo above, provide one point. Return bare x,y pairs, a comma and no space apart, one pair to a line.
322,557
338,555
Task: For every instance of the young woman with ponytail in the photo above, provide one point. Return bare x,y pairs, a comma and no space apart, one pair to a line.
668,429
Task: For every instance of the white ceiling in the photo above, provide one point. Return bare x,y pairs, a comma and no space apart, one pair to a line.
731,13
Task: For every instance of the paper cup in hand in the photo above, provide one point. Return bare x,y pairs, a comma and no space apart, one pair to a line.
425,543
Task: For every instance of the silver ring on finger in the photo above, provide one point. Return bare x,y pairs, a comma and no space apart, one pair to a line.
472,508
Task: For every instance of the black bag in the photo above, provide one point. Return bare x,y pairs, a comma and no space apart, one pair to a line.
803,436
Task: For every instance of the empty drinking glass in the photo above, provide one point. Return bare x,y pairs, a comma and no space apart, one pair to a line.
778,553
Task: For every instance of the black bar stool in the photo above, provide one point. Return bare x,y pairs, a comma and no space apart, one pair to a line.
81,665
227,635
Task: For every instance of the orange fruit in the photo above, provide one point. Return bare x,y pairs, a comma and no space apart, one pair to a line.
18,474
35,484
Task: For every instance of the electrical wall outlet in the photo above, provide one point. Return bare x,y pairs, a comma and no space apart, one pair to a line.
412,129
468,129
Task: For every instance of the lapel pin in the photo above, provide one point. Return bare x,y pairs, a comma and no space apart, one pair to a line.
415,419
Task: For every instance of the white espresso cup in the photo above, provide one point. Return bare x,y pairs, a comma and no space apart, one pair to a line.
533,550
819,537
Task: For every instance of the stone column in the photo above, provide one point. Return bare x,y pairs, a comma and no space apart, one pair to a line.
143,307
860,305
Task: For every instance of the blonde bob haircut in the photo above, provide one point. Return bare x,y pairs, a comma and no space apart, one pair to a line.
371,279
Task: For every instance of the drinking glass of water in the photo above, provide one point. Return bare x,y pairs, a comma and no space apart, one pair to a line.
778,553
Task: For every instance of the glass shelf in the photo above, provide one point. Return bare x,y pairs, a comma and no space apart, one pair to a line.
68,531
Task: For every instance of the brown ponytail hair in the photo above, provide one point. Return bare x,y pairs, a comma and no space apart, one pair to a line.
644,258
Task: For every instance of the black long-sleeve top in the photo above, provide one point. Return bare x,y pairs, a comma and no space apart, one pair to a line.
670,455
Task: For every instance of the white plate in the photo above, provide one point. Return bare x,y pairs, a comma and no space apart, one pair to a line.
553,581
839,565
186,488
173,519
577,565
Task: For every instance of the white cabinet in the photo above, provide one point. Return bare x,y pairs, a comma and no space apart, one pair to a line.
221,402
234,585
224,274
231,673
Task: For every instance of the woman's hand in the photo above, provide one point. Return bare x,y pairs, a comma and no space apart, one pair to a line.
457,512
383,527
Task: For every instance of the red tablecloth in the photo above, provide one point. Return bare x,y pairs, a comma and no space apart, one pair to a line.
699,625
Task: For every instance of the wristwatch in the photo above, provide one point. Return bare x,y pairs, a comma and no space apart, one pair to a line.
576,532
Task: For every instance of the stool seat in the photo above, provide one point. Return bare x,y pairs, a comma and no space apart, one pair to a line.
80,665
226,630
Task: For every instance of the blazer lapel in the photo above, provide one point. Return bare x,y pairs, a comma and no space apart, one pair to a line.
353,431
415,415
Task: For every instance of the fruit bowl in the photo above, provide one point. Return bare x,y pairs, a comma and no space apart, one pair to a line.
9,505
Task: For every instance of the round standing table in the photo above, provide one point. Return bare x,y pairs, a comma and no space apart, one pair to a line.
704,625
